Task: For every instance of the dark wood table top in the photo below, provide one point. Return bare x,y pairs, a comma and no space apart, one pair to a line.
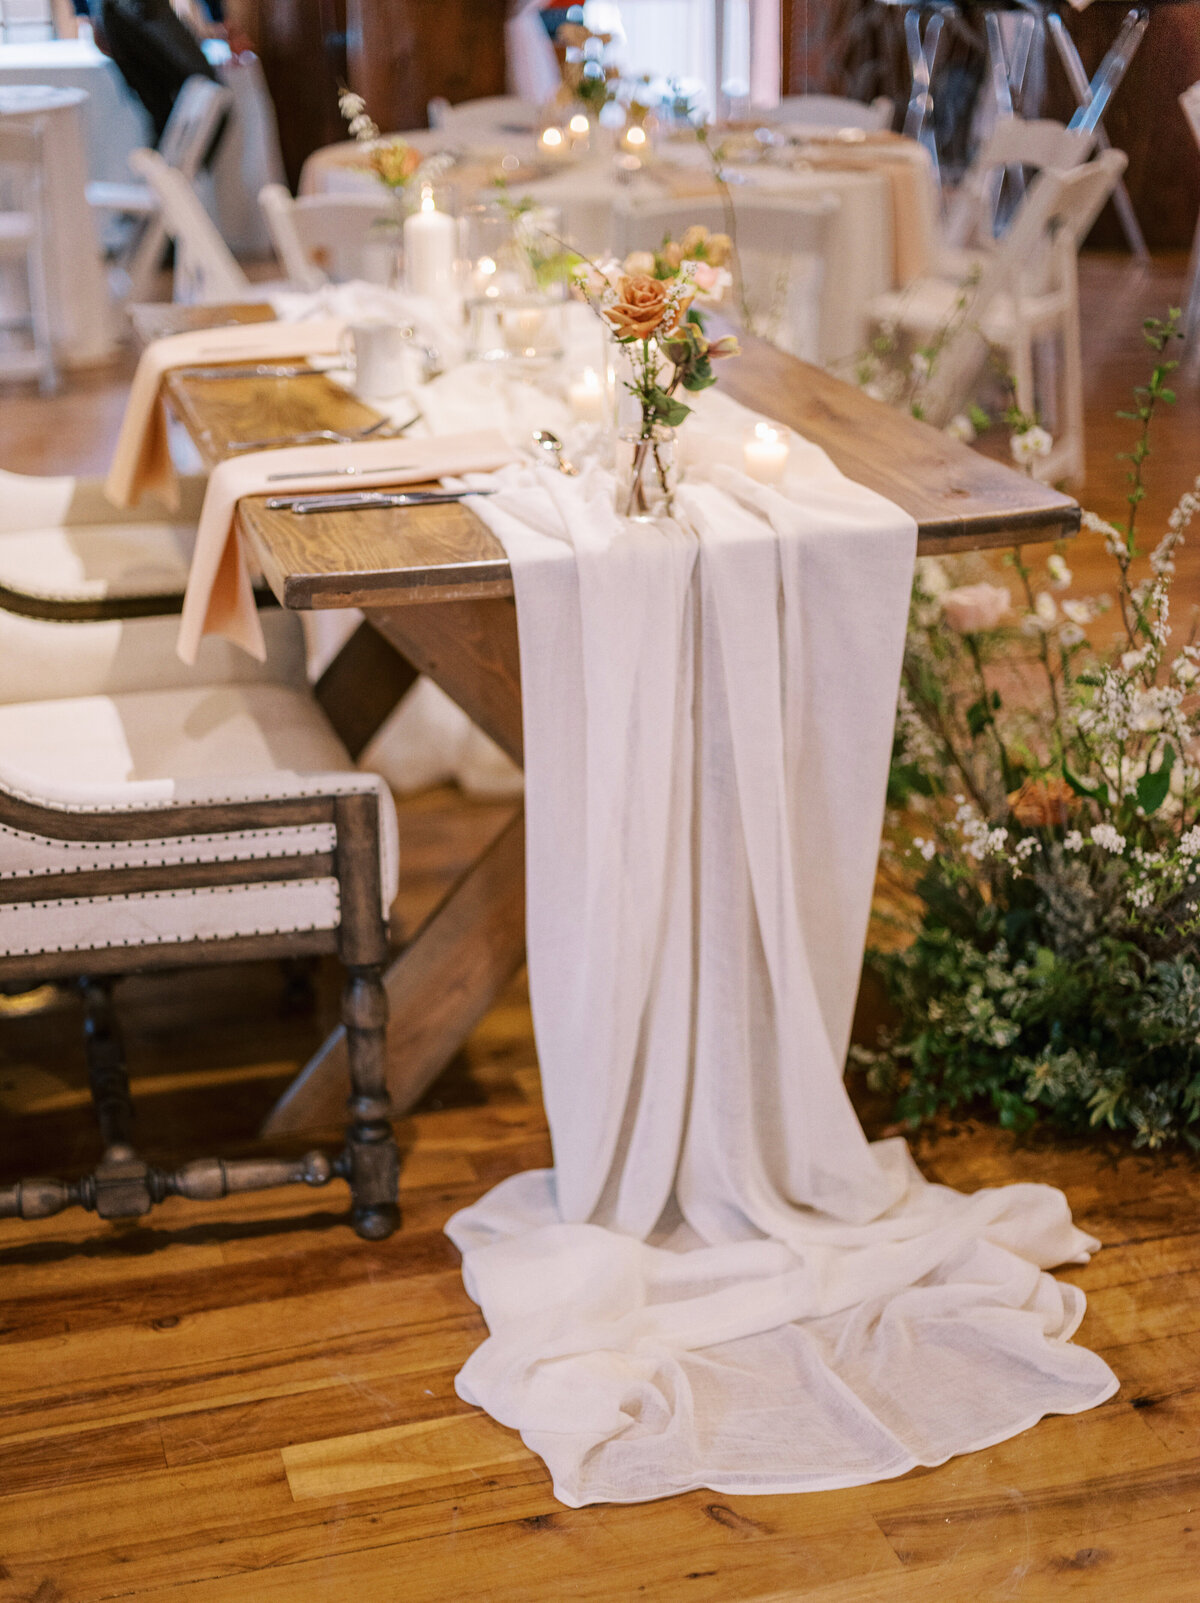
960,499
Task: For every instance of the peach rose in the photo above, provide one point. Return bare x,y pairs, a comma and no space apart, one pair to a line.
1042,802
639,262
395,162
642,308
975,606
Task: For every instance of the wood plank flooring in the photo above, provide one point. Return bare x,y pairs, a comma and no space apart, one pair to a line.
240,1402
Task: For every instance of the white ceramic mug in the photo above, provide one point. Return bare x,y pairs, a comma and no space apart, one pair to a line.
377,353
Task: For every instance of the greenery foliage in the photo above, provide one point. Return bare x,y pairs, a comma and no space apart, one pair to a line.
1046,787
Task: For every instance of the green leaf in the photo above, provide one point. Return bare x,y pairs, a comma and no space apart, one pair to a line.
1097,792
979,716
667,409
1153,786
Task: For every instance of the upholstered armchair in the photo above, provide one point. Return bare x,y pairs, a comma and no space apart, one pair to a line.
158,817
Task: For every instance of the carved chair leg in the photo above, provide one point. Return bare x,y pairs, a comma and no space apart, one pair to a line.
371,1161
105,1054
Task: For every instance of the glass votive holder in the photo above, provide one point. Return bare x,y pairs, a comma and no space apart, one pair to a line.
634,140
765,452
587,396
515,328
553,142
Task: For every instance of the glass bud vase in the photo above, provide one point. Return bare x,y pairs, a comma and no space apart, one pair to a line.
647,472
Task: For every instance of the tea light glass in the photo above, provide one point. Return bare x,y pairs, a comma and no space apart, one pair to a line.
765,452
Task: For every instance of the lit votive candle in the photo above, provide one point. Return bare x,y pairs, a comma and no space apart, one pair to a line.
765,453
552,143
579,132
586,396
430,243
635,141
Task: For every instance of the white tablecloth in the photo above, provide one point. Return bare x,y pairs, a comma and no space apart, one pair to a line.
81,314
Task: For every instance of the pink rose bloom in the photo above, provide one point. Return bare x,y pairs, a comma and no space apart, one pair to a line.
706,277
973,607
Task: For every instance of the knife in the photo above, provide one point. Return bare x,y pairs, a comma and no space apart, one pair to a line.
366,500
258,370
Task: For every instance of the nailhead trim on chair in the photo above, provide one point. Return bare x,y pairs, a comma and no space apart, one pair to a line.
303,839
329,918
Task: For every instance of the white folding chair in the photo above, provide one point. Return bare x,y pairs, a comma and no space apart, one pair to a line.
1027,291
22,247
781,246
492,116
830,111
205,268
1190,101
322,239
191,128
1015,145
26,21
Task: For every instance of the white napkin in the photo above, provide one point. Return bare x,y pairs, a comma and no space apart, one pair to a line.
141,461
219,598
722,1283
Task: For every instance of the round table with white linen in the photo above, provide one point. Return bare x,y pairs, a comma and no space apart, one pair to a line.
881,227
82,320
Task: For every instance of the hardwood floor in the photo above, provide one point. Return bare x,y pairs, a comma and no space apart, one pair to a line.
240,1402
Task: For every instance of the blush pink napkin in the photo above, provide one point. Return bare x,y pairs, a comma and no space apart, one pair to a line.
141,461
220,595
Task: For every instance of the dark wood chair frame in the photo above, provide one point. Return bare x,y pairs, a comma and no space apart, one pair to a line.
124,1185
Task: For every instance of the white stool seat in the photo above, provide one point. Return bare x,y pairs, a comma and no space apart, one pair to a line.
161,748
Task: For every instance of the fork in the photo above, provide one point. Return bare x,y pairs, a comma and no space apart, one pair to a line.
316,436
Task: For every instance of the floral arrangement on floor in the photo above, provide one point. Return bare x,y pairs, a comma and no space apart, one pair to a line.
1045,795
646,303
395,163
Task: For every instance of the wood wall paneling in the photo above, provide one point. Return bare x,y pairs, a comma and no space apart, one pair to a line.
401,53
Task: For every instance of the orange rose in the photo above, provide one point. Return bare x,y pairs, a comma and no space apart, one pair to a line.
642,309
1042,802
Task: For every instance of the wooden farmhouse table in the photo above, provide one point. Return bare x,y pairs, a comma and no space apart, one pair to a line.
436,590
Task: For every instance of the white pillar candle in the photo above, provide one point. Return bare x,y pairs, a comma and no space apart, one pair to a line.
430,238
586,396
765,453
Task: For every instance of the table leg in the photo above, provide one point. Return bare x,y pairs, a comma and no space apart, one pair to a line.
451,971
1093,99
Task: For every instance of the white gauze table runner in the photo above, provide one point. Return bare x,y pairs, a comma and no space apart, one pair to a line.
722,1283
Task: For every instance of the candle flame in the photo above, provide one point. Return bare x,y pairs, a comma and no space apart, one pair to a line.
552,137
636,136
427,199
764,431
579,123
